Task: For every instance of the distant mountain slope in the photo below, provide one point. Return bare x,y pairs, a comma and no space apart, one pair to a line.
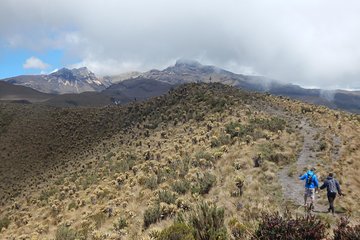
185,71
141,86
137,89
85,99
62,81
10,92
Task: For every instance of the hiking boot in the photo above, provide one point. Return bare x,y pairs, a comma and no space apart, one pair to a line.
311,207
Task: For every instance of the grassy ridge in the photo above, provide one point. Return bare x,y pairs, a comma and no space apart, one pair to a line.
109,172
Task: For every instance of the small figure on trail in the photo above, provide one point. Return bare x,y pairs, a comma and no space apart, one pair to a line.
332,186
311,184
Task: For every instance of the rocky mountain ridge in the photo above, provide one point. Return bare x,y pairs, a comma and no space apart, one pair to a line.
128,87
76,80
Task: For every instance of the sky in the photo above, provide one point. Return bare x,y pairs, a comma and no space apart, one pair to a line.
313,43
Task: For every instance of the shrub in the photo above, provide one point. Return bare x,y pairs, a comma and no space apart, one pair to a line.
204,184
204,155
120,224
208,222
177,231
4,223
273,124
236,129
99,219
346,232
181,186
322,145
151,182
223,139
45,195
167,197
88,180
108,156
274,226
65,233
72,205
152,215
237,230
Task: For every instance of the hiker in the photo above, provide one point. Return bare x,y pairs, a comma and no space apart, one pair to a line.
332,186
311,184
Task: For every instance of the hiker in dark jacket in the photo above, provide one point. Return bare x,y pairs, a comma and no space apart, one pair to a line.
332,186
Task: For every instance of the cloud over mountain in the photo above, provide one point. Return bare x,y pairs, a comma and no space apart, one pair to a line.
312,43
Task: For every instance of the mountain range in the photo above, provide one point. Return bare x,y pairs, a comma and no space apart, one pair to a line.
65,80
81,87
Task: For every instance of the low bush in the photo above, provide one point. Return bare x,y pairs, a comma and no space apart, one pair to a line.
46,194
204,155
72,205
208,222
322,145
99,219
4,223
344,231
275,226
177,231
236,129
180,186
152,215
204,184
65,233
167,197
88,180
120,224
151,182
273,124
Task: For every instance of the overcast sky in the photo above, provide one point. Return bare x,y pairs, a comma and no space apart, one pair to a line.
314,43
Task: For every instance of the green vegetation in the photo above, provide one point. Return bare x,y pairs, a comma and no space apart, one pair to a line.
72,205
275,226
46,194
65,233
99,219
120,224
208,222
167,197
177,231
5,120
4,222
204,184
181,186
89,180
152,215
273,124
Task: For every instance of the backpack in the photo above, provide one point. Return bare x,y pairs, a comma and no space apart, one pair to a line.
332,186
309,179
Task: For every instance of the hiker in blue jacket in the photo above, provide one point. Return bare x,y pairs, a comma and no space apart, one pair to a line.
332,186
311,184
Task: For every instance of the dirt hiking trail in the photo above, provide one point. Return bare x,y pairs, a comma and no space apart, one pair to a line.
293,188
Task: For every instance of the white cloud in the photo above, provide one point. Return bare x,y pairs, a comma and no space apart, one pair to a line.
35,63
308,42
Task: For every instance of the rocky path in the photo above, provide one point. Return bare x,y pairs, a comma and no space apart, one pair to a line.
293,188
